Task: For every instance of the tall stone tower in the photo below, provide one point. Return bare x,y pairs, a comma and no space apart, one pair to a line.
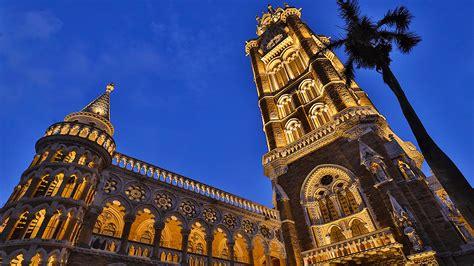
51,203
347,188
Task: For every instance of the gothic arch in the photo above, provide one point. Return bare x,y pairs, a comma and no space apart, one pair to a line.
311,182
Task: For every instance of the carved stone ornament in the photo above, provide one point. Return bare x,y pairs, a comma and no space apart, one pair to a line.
248,227
230,221
265,231
188,208
163,201
110,185
135,193
210,215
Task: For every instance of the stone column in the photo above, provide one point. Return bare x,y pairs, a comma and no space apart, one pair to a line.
159,226
129,218
31,189
8,230
44,224
250,248
85,192
88,225
268,259
230,245
184,246
70,226
209,240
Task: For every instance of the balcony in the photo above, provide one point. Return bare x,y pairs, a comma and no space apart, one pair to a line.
379,245
143,252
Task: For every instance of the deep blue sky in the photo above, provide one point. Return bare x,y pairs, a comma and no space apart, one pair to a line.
185,98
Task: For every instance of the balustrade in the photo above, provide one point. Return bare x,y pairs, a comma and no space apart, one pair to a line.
379,241
162,175
106,243
139,249
84,131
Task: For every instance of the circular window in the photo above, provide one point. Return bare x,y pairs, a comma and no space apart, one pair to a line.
326,180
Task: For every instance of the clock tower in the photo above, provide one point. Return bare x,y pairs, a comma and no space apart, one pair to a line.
347,187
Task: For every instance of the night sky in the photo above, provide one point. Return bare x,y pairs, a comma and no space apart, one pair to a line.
185,98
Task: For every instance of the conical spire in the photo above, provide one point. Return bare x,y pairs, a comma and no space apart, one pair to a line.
101,105
96,113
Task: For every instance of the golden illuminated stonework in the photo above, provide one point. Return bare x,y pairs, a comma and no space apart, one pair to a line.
346,189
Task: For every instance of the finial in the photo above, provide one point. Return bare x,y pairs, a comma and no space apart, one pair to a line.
257,18
110,87
286,5
270,9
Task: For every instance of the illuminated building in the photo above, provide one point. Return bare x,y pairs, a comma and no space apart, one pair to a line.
346,188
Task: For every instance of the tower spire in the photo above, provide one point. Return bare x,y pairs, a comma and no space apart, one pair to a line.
96,112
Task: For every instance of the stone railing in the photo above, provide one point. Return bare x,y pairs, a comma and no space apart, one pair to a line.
355,248
165,176
139,249
170,255
197,259
317,134
83,131
106,243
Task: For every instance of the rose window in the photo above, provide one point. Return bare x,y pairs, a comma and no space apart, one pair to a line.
135,193
265,231
110,185
210,215
229,221
188,208
248,227
163,201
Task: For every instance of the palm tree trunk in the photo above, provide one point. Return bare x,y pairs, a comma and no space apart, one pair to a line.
450,177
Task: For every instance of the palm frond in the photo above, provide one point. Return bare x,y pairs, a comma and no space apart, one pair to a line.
349,10
399,17
405,41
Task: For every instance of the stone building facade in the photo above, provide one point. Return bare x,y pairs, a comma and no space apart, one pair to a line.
346,188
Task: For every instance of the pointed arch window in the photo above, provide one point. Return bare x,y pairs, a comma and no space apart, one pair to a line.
19,226
35,224
52,226
293,130
55,185
41,188
336,235
358,228
285,105
319,114
58,156
71,184
70,157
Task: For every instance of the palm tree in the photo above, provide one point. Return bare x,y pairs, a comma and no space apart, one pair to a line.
368,45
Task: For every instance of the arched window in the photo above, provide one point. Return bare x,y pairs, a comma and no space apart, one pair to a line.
307,90
293,130
82,160
20,225
277,74
285,105
54,186
319,115
70,157
41,188
358,228
336,235
71,184
35,224
44,156
52,226
58,156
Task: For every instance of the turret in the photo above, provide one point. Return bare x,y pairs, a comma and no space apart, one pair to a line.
47,208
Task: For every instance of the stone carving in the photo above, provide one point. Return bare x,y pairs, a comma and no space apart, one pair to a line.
188,208
110,185
405,221
230,221
163,201
210,215
135,193
265,231
248,226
